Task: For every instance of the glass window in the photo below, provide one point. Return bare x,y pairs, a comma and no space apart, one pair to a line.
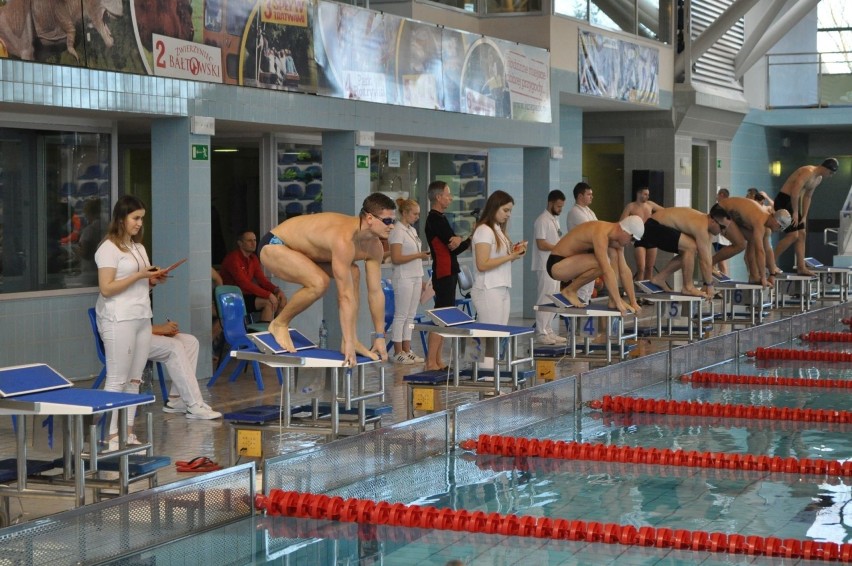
654,16
512,6
466,176
407,174
299,171
54,208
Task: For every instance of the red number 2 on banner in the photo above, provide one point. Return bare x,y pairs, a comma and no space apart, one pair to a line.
160,48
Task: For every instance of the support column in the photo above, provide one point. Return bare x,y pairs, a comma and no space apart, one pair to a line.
346,183
180,213
541,175
506,170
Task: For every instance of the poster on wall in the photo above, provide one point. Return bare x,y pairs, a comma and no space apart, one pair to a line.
618,69
309,46
355,52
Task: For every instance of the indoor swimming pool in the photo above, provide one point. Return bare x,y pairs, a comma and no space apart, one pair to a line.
588,509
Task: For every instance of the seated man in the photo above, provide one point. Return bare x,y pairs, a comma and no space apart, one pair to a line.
311,249
583,254
751,227
686,232
241,267
179,351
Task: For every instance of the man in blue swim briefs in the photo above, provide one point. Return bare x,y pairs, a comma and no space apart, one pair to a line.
795,197
596,249
311,249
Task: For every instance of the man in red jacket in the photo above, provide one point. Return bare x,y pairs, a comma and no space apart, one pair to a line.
241,267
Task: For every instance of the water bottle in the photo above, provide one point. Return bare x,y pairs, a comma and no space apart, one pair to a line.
323,335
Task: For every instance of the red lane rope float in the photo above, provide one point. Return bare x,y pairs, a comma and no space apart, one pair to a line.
824,336
630,419
691,408
568,450
799,355
552,466
362,511
707,378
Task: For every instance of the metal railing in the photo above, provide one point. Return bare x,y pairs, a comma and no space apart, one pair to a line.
808,80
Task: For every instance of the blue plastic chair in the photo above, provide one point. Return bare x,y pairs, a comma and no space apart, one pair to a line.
99,348
313,207
474,188
294,209
293,191
313,190
470,169
232,315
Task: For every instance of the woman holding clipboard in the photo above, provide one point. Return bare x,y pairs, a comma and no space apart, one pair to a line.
123,308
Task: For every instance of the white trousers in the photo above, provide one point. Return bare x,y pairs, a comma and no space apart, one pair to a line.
180,354
126,345
406,297
492,305
546,286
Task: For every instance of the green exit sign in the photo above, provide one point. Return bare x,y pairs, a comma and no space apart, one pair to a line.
718,164
362,161
200,152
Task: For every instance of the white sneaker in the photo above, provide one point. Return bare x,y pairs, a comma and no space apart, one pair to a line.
132,440
558,339
547,340
414,357
402,358
174,406
202,411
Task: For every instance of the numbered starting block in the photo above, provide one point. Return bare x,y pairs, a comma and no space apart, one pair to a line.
796,291
833,281
585,323
742,298
670,307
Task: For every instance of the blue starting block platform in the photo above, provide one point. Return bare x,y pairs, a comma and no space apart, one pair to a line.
483,384
137,464
565,350
305,417
438,377
9,468
676,332
267,413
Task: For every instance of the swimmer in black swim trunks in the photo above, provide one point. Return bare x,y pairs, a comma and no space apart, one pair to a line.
799,189
687,232
583,254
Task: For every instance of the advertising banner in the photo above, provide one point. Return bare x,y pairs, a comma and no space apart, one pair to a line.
309,46
618,69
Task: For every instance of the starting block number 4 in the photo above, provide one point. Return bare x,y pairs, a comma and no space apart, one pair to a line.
589,325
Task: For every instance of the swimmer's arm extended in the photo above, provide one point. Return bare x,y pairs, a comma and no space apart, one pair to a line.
342,256
376,299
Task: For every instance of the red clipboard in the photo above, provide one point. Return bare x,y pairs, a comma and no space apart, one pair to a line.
172,266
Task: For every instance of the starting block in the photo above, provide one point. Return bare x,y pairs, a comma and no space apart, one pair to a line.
741,294
669,306
830,277
792,285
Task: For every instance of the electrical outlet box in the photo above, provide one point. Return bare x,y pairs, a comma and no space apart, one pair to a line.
250,441
427,399
545,370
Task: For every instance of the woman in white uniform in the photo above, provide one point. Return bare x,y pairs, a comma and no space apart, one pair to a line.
493,254
123,308
407,256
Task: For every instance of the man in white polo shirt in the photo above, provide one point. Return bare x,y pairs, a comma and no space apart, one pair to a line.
547,230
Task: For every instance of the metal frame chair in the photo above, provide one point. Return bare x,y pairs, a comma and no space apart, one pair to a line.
99,348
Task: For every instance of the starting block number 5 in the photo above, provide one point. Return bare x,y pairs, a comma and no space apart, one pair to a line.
674,309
